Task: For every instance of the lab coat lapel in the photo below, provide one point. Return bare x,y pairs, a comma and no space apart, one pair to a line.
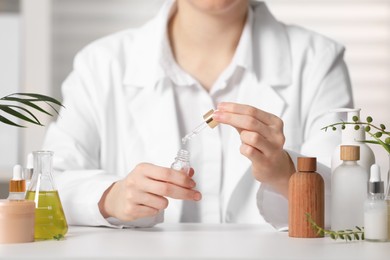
261,96
153,104
154,115
271,72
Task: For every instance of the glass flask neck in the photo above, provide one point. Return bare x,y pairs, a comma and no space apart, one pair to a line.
42,179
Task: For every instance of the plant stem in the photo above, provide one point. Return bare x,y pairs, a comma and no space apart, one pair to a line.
347,235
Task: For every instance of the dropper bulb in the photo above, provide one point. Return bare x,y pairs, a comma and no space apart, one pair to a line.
375,173
17,172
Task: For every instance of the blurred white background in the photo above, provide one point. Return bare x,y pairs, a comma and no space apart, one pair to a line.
49,33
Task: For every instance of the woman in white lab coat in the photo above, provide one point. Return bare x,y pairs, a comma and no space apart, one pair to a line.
134,94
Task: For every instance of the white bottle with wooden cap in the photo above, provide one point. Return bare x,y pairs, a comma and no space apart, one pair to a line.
351,136
306,196
349,190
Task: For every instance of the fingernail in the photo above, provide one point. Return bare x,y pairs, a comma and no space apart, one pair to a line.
197,196
192,183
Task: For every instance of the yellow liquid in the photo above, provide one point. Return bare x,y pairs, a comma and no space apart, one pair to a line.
49,216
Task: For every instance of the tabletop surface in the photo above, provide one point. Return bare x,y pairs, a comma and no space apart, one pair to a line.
192,241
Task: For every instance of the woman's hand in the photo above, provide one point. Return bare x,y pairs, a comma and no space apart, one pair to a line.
262,139
143,192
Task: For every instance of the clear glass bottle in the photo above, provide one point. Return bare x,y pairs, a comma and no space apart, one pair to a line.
50,219
182,161
375,208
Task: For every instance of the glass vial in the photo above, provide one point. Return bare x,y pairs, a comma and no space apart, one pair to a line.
349,190
306,195
17,186
49,216
182,161
375,208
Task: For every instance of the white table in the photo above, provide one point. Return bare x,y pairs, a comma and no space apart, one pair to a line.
192,241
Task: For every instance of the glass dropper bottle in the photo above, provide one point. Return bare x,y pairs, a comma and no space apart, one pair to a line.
208,121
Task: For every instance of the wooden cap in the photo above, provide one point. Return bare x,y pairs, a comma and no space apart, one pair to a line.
350,152
307,164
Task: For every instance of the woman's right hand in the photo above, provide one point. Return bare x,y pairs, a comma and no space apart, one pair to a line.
144,190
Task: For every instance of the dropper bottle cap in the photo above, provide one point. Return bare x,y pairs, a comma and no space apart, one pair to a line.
375,185
208,118
208,121
17,184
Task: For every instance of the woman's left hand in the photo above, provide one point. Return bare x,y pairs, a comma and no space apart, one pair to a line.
262,138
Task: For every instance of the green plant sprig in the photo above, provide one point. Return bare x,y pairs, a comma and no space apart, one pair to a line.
379,134
59,237
12,105
347,235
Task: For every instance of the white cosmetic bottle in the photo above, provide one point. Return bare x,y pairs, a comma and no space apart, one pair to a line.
375,208
349,190
350,136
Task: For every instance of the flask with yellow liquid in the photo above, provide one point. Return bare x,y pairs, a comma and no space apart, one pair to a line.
50,219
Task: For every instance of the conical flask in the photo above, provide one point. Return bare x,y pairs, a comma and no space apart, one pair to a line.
50,219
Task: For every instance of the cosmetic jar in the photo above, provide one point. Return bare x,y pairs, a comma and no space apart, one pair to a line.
17,221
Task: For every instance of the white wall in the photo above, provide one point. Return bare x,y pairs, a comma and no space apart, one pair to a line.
9,83
363,27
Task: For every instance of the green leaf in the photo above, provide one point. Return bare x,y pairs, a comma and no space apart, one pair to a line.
38,97
356,236
30,104
378,134
332,236
370,141
58,237
15,113
349,237
358,228
9,122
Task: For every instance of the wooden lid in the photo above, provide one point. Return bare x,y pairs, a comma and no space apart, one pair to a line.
307,164
350,152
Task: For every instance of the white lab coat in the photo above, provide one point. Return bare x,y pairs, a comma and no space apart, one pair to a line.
116,116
